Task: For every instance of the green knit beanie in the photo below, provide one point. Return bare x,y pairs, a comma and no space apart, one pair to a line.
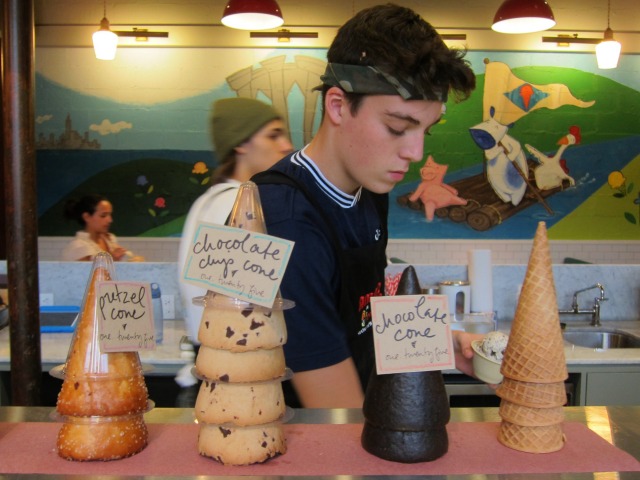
235,120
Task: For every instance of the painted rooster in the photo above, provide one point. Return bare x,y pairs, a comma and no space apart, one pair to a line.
551,171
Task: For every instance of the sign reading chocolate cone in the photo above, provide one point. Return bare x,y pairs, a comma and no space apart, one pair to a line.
535,352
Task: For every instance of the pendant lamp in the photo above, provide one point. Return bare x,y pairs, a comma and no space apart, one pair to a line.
608,51
105,42
252,14
523,16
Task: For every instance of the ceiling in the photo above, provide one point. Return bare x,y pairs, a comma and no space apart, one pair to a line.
582,15
196,23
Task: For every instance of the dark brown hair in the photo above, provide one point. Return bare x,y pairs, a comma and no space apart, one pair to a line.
398,41
74,208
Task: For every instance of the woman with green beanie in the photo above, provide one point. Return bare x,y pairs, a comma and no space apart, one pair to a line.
248,136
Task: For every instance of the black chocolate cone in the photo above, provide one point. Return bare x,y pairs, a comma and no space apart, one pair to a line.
405,447
409,401
406,413
409,283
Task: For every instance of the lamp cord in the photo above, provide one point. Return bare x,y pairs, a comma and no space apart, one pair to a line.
608,13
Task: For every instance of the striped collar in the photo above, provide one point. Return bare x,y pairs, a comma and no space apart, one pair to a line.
342,199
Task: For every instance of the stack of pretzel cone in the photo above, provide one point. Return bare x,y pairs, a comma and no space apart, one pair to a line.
104,395
534,367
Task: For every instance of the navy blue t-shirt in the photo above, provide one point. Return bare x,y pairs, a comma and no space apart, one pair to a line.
317,337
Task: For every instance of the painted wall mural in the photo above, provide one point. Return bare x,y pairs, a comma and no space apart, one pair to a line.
544,137
509,182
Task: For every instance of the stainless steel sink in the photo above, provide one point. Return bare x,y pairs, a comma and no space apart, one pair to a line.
600,338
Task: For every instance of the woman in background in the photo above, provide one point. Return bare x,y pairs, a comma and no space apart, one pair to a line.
249,136
95,214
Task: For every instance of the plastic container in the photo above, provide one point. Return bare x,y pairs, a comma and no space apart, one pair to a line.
459,294
475,322
85,358
212,299
158,319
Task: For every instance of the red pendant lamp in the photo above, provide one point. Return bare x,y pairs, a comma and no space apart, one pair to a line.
252,14
523,16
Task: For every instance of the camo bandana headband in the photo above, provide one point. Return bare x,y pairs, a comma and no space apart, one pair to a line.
371,81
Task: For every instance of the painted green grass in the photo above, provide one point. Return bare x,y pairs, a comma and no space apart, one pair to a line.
154,209
609,214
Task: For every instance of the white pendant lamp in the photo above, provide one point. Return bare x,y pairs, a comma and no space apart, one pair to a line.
105,42
523,16
252,14
608,51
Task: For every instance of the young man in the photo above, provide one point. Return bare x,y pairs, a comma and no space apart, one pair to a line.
386,82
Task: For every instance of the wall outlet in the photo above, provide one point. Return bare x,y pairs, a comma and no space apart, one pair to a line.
46,299
168,307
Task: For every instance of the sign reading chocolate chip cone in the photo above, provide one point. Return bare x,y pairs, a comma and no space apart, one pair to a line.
238,263
412,333
125,317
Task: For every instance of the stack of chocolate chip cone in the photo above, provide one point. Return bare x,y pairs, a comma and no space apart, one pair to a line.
240,404
534,366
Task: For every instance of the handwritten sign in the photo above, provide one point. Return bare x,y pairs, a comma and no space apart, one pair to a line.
238,263
125,317
412,333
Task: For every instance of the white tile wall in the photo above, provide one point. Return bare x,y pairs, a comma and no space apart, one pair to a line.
439,252
513,252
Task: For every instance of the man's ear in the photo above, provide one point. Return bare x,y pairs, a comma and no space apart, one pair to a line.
335,103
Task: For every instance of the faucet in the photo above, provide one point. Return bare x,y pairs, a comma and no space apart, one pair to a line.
594,311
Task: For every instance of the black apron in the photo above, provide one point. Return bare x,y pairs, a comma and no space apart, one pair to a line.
362,276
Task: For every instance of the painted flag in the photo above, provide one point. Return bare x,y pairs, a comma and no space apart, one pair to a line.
513,97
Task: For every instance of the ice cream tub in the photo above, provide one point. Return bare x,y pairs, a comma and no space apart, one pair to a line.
488,355
485,368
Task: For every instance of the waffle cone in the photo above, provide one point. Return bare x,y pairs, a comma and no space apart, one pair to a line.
530,416
541,439
535,352
538,395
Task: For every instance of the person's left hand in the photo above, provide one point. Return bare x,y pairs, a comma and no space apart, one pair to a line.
464,351
118,253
